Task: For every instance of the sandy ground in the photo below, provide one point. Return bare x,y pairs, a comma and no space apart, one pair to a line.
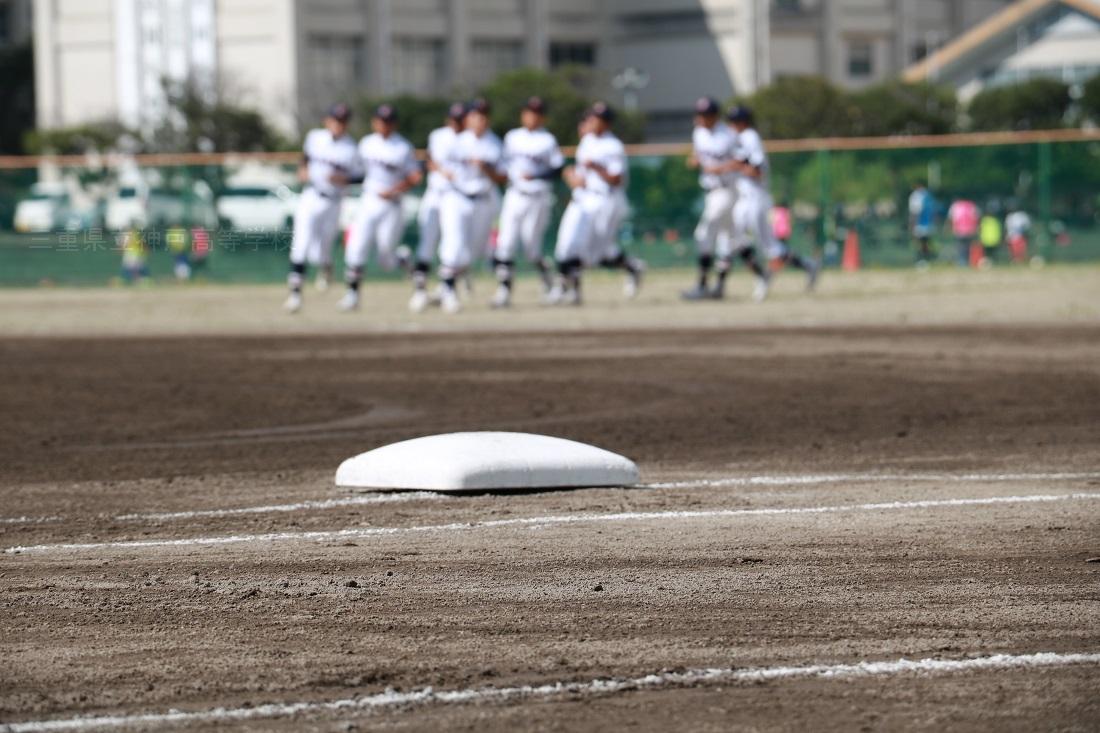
901,466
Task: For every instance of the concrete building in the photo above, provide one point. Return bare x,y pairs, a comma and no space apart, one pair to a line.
98,59
1058,39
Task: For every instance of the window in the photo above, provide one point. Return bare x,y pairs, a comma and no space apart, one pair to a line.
337,61
790,7
419,65
860,59
562,53
919,51
490,58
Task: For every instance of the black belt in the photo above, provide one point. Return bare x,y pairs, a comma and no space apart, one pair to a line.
476,196
329,196
530,194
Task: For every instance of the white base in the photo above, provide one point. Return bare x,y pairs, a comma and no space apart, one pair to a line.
481,461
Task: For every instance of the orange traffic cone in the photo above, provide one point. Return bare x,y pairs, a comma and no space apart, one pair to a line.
850,260
977,254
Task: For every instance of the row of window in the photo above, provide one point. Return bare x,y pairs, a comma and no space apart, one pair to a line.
419,65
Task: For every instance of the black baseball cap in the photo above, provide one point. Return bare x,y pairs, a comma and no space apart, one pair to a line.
706,106
386,113
603,111
481,105
536,105
456,111
340,112
740,113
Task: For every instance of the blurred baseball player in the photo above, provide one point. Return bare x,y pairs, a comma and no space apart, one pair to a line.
440,142
754,203
330,161
569,248
533,160
600,175
390,169
714,149
473,168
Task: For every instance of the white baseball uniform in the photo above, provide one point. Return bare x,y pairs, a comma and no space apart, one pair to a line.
440,142
714,147
603,205
531,157
471,201
388,160
754,201
317,218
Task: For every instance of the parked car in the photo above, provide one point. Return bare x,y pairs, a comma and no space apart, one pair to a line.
125,208
45,210
257,208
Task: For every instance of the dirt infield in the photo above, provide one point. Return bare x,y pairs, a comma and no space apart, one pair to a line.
855,491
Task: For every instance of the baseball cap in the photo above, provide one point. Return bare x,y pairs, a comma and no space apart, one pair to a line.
536,105
386,113
481,105
603,111
456,111
740,113
339,111
706,106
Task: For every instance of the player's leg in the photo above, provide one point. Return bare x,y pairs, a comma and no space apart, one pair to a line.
300,243
717,208
744,219
454,247
777,249
532,232
574,233
361,239
511,215
428,222
608,219
391,255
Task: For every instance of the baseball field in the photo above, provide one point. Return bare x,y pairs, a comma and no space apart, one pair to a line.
872,508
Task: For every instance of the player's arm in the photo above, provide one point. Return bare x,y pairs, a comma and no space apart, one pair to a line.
554,170
493,171
610,173
411,180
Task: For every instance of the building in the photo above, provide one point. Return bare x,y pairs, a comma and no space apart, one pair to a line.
1058,39
99,59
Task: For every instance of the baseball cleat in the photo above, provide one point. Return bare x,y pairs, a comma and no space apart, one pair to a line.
419,301
697,293
321,283
293,303
571,297
502,298
554,296
760,290
634,279
813,271
450,302
350,301
546,276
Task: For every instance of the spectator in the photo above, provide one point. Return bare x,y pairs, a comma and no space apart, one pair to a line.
1017,229
922,220
964,217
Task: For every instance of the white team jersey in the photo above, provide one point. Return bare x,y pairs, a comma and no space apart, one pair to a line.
387,160
750,149
464,160
529,155
440,142
606,150
327,155
713,147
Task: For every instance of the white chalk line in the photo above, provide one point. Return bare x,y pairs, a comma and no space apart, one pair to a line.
322,504
365,532
600,686
833,478
774,480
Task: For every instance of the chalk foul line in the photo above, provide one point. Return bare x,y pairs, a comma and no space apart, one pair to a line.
600,686
366,532
835,478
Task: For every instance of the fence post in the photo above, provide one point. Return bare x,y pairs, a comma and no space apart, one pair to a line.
1045,175
826,207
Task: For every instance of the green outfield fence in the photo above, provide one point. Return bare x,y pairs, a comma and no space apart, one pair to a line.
70,207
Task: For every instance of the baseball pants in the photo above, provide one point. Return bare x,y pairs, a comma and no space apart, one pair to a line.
465,225
377,227
427,220
716,224
750,218
316,222
523,221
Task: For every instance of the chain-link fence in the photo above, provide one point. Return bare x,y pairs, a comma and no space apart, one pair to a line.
64,220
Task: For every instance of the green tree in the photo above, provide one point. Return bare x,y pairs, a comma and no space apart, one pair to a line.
800,106
17,91
896,108
1039,104
418,115
77,140
197,121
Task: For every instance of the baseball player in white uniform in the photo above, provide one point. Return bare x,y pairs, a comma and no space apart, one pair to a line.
714,148
330,161
473,167
533,160
390,169
599,180
569,248
440,141
754,204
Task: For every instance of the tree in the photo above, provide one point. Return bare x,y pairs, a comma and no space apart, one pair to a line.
17,91
198,121
1090,100
800,106
1038,104
418,115
896,108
